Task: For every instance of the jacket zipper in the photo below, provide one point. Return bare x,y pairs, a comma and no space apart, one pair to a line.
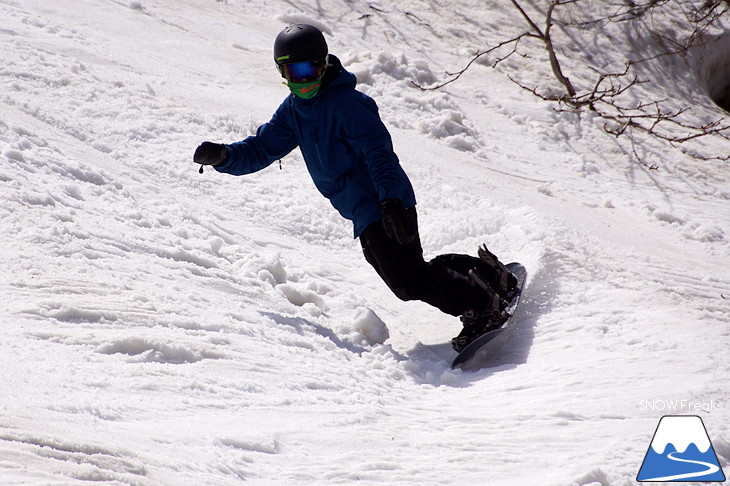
316,144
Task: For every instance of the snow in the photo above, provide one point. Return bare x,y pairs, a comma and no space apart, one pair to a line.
163,327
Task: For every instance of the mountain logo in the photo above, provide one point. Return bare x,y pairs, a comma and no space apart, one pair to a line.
681,451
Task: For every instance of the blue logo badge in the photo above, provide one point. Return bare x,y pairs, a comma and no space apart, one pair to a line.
681,451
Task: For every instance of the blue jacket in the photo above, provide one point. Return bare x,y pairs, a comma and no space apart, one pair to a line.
347,149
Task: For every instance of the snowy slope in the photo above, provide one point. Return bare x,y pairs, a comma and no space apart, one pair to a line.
162,327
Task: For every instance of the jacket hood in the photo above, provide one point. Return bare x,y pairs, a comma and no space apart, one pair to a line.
336,75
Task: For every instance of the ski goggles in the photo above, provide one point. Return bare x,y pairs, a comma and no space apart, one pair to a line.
303,72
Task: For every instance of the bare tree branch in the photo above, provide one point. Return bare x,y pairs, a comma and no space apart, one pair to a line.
457,75
547,39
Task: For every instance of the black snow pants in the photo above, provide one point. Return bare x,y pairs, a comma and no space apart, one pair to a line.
443,282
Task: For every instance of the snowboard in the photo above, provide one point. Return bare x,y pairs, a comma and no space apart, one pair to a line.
474,348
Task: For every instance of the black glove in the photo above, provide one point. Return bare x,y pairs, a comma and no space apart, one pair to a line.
398,222
209,153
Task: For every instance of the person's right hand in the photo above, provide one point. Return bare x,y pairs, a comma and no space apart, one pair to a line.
209,153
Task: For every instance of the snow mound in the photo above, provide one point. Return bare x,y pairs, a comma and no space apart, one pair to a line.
432,113
366,328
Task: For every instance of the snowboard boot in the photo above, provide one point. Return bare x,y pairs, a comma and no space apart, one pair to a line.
503,282
479,321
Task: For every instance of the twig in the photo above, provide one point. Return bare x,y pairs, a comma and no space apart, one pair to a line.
456,75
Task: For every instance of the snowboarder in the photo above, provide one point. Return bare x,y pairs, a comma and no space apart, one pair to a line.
349,154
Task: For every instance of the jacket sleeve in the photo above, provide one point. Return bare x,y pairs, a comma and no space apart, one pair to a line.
273,140
368,136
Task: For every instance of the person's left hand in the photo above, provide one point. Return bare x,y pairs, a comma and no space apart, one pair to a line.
397,222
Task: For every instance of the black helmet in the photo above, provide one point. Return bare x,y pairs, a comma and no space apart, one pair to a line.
297,43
